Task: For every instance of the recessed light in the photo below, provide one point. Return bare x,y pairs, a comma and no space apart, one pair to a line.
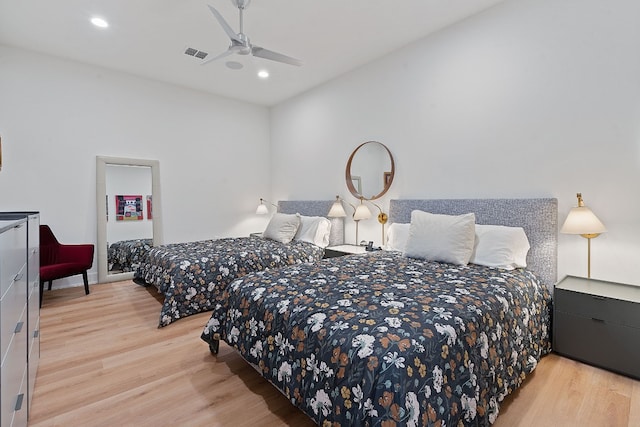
263,74
99,22
234,65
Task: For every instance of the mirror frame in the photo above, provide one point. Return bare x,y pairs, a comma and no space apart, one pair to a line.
101,208
349,179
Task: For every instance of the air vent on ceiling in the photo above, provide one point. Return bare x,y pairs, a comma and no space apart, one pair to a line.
195,52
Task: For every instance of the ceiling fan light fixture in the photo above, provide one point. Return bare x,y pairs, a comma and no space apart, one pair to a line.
234,65
99,22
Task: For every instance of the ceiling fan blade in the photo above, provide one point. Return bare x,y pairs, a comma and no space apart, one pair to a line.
222,55
227,29
274,56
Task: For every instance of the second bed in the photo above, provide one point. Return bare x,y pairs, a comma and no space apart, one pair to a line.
190,275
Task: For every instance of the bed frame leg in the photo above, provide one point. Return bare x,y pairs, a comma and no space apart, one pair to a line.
215,344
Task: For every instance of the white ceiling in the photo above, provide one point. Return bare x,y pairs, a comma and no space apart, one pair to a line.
148,37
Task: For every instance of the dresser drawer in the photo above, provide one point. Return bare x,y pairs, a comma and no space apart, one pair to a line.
13,250
597,342
12,307
33,273
33,362
33,319
13,377
592,306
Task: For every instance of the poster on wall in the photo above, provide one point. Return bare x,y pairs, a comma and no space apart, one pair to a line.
128,208
149,206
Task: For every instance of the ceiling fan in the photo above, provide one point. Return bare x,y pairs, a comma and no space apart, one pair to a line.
240,43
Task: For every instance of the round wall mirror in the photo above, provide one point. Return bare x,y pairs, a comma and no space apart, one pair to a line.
370,170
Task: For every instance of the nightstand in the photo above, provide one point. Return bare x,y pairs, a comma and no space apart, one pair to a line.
342,250
598,322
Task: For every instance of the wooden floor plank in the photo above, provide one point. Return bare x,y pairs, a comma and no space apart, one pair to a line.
104,362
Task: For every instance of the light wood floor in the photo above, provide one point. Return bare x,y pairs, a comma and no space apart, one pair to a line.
105,363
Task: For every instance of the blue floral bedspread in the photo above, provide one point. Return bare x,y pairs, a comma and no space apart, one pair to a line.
126,255
189,275
385,340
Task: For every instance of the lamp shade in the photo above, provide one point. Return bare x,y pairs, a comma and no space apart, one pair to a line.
582,221
262,209
362,212
337,210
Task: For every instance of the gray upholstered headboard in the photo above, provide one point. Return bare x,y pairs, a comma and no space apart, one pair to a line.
316,208
538,217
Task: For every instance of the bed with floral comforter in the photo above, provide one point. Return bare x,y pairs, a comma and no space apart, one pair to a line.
385,340
126,255
190,275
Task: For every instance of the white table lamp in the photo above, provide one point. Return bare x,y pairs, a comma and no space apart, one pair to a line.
359,213
585,223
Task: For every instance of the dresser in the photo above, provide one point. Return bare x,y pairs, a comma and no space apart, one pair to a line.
19,314
598,322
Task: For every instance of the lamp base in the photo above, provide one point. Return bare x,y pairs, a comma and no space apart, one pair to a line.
589,236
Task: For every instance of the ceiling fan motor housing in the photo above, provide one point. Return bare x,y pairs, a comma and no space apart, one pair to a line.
241,4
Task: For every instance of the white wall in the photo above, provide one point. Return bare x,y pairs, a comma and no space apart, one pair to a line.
533,98
56,116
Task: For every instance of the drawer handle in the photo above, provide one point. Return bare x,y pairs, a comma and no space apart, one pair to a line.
18,328
18,277
19,402
597,320
36,333
599,298
19,226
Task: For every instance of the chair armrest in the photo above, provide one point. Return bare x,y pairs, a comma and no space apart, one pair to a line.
76,253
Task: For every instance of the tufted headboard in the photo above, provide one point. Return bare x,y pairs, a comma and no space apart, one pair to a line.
316,208
538,217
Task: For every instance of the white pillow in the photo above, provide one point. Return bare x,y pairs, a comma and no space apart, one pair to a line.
282,227
314,229
444,238
397,236
500,246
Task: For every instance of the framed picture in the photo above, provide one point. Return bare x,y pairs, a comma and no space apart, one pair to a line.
128,208
357,183
149,208
386,179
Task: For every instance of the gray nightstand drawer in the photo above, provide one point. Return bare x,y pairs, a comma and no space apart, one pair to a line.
596,342
592,306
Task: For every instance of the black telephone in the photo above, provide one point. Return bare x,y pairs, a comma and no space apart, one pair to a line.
370,248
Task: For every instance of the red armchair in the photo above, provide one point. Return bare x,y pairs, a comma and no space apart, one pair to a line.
58,260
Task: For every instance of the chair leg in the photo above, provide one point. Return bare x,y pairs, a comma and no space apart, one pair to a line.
41,292
86,283
50,281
